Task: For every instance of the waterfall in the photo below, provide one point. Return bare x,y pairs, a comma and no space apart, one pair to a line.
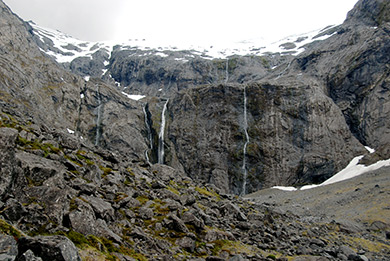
99,116
160,159
245,127
227,70
149,132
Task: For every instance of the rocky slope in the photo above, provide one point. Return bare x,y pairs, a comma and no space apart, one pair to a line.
78,158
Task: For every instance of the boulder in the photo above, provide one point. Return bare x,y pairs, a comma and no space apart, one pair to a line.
8,248
49,248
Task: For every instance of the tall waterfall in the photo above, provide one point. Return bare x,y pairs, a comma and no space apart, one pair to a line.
245,127
160,155
99,116
149,132
227,70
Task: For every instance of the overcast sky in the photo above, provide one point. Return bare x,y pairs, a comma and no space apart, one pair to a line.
193,20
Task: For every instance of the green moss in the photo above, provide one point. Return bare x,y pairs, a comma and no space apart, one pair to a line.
173,190
9,229
105,170
142,199
218,246
73,204
127,182
208,192
119,196
77,238
73,160
47,148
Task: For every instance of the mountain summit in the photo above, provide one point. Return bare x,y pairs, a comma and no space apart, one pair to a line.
137,152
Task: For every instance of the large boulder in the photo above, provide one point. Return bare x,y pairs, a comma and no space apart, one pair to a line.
49,248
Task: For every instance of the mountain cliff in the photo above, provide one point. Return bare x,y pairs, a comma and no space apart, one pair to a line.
155,177
335,77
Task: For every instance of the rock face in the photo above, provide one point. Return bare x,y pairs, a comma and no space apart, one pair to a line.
306,114
297,134
35,86
155,75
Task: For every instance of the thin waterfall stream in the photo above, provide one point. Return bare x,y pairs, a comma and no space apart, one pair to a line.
99,116
160,158
245,127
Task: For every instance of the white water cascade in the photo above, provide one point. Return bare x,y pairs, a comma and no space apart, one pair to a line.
160,155
99,116
245,127
149,133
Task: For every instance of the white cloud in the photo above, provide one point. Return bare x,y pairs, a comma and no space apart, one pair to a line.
183,20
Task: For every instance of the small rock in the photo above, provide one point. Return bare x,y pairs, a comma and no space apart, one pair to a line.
317,242
191,219
354,257
8,248
177,224
28,256
214,258
187,243
146,213
237,258
158,185
361,252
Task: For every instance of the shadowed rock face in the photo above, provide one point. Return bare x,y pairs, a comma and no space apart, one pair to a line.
297,134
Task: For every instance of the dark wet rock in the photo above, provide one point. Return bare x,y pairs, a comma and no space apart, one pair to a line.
49,248
29,256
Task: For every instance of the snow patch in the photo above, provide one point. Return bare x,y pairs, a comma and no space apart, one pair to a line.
370,150
135,97
353,169
87,78
70,131
285,188
67,48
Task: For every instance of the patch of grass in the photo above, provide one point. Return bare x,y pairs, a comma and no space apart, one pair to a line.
173,190
142,199
9,229
208,193
73,161
77,238
47,148
119,196
232,247
127,182
105,170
